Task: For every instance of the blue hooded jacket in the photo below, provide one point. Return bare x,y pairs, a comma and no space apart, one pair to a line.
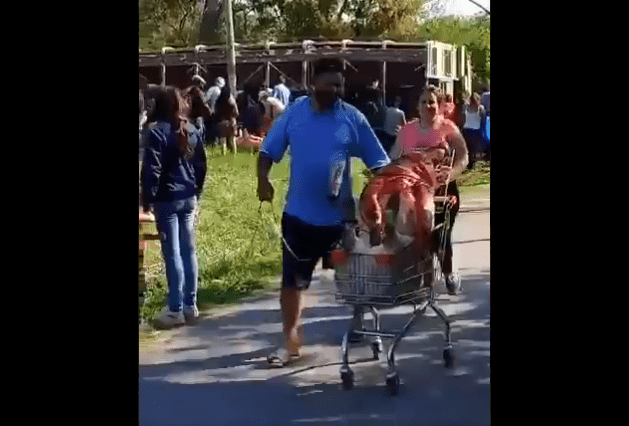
166,175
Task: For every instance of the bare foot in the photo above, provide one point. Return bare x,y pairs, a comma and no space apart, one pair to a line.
295,340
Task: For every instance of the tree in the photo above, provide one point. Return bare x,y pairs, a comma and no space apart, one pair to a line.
169,22
280,20
397,19
211,30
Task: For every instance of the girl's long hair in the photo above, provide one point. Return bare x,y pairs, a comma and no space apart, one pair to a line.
172,107
475,100
222,102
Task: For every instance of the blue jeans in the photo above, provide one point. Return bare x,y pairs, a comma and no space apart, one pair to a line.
175,220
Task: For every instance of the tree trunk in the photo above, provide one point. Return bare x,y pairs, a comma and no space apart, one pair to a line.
209,32
231,48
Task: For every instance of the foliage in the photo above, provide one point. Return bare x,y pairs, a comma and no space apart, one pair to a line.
283,20
172,23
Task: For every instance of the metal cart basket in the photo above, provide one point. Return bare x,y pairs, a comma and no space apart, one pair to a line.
374,281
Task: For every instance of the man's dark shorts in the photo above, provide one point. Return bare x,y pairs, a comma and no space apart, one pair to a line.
309,243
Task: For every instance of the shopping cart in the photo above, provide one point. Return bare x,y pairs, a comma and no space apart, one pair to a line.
375,281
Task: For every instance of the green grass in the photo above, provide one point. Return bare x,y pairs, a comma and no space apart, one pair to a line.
238,245
479,175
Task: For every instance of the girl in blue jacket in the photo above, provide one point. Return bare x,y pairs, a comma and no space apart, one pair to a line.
173,172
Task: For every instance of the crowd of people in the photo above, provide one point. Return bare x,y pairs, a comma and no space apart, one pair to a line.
222,117
322,130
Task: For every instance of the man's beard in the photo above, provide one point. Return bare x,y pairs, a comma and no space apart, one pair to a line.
325,98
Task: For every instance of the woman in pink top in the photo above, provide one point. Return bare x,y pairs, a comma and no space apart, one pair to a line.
432,130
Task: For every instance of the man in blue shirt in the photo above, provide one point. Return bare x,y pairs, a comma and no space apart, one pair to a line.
281,92
322,132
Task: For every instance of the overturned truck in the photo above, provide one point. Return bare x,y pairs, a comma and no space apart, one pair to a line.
397,69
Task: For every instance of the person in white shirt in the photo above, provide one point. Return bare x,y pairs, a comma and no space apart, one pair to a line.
273,106
214,92
393,121
474,114
282,92
210,98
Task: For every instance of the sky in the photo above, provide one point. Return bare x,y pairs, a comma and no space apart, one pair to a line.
465,7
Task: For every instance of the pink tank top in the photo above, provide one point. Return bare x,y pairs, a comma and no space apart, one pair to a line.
412,138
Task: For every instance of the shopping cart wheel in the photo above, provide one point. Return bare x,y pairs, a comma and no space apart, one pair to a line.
448,357
393,384
347,379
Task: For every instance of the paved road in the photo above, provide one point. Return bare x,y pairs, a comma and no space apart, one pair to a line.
215,373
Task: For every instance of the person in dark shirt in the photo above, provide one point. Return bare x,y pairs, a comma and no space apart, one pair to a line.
199,110
252,110
375,111
226,111
173,172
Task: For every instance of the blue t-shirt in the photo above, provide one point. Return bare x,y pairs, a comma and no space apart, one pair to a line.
317,140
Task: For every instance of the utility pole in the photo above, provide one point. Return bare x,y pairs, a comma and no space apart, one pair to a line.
231,49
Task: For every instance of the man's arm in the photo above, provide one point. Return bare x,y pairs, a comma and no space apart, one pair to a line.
396,150
272,150
265,188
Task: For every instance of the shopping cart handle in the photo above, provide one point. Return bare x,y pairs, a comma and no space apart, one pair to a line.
440,199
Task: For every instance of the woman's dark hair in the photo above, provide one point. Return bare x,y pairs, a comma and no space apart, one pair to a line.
325,65
195,99
475,99
171,106
222,100
224,95
251,92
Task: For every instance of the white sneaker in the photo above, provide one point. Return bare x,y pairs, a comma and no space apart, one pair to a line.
190,313
168,319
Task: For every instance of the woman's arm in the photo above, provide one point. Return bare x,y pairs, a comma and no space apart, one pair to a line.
151,169
457,142
396,149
